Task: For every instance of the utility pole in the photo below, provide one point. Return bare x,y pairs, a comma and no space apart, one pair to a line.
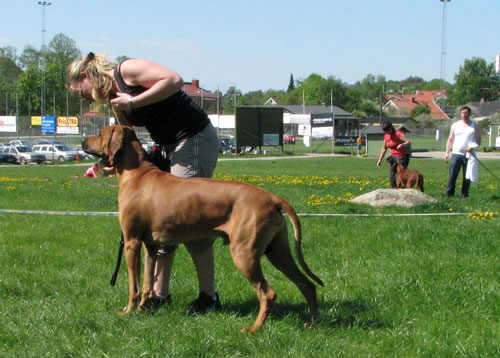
44,4
442,74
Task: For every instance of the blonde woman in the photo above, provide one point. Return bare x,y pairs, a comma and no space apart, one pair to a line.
144,93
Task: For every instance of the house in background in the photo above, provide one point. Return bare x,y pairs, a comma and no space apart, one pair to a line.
206,99
488,111
484,110
407,102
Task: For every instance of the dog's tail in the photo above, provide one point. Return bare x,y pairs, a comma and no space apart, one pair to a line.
420,183
287,208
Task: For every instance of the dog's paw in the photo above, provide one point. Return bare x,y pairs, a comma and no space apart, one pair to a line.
124,312
249,330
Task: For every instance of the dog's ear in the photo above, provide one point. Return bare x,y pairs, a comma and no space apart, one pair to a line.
115,144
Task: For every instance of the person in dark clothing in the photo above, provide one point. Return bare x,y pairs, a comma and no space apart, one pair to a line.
144,93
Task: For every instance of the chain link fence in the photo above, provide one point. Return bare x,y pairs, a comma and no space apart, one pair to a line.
87,126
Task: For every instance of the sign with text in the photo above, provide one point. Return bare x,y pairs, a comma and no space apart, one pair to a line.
48,124
67,121
36,120
322,132
271,139
67,130
8,124
304,129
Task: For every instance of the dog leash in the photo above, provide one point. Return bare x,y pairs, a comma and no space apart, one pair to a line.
118,262
480,162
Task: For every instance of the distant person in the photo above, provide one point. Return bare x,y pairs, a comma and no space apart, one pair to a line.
464,136
92,171
359,142
398,143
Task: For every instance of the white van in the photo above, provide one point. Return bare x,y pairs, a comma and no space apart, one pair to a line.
57,152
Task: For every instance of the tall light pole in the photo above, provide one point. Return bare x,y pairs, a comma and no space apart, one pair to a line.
44,4
442,75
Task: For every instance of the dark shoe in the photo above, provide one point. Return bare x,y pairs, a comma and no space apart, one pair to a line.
464,196
204,303
156,302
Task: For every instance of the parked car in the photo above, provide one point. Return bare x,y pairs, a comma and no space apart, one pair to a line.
19,143
5,156
55,152
226,145
55,142
48,141
288,139
148,146
24,155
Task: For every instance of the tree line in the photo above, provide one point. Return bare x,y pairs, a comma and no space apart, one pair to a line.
21,78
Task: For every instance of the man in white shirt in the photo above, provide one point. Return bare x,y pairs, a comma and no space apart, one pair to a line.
462,134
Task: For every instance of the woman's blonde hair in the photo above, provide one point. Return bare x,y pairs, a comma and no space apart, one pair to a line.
96,68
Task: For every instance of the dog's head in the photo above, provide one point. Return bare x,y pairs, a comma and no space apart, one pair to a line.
108,143
400,167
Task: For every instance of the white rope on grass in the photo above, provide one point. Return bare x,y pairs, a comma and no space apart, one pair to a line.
111,213
67,213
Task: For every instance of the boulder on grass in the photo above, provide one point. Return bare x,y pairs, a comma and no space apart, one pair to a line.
400,197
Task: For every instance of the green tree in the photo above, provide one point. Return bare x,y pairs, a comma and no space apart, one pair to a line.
291,85
412,83
9,74
475,78
371,87
309,89
332,90
59,53
420,110
252,98
30,57
354,99
29,87
231,98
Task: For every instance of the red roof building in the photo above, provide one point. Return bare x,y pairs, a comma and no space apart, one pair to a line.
409,101
206,99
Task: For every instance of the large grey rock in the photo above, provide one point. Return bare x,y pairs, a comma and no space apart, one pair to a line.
400,197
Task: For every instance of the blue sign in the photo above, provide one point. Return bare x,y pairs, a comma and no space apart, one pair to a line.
48,124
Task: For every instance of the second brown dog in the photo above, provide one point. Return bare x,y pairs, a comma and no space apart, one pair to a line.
408,178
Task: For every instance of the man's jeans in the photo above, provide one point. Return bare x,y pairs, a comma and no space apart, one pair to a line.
458,162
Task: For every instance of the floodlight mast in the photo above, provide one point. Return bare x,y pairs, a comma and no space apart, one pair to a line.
44,4
442,74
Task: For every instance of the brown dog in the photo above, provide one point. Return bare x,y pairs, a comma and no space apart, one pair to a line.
157,208
409,178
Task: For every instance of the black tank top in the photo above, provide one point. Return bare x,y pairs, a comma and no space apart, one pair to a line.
168,121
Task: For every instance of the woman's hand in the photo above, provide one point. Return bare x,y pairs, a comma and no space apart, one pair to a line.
121,102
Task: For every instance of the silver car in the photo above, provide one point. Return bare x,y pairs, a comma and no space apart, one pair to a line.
54,152
24,155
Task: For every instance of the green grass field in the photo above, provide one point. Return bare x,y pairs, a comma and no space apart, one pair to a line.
413,286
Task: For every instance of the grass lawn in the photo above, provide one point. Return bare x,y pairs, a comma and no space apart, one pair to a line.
413,286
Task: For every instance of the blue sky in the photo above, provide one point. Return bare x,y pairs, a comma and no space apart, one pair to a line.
257,44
